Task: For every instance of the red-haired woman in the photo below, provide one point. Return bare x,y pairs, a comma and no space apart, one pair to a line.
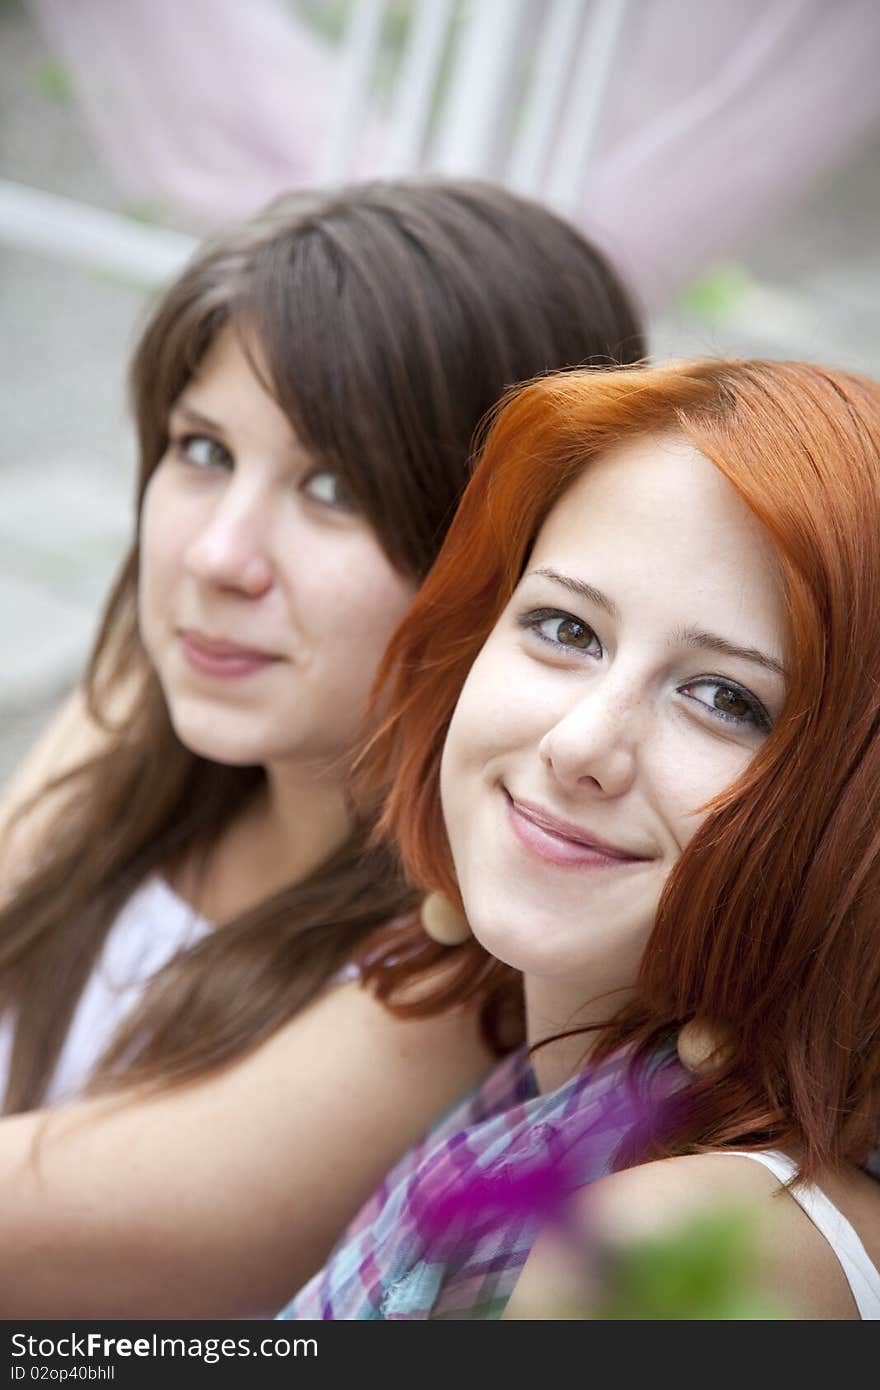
635,717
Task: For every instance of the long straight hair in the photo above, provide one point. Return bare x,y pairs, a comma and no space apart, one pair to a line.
769,924
388,318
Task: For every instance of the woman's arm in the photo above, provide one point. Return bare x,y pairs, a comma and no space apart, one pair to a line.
794,1266
222,1198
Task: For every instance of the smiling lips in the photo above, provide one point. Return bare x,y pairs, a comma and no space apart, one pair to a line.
213,656
562,843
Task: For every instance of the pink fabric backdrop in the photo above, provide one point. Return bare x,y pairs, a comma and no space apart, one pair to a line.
719,116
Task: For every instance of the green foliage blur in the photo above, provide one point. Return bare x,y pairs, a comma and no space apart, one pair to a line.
704,1270
718,293
52,81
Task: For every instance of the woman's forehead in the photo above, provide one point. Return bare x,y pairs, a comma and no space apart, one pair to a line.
653,521
644,482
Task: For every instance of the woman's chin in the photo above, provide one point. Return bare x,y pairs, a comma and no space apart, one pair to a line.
555,946
209,740
217,753
511,938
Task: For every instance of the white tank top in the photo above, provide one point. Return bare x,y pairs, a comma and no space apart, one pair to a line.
859,1271
153,926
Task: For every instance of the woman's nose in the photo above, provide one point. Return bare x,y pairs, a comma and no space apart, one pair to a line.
595,740
232,548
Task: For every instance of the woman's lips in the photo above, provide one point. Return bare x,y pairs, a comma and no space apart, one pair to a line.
214,656
558,843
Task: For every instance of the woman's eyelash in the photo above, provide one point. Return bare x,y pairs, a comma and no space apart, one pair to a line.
183,445
330,489
730,693
571,635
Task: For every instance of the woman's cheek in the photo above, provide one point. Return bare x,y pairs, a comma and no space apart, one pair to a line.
693,773
160,522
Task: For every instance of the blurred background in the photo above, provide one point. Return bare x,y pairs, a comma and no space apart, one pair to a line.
727,157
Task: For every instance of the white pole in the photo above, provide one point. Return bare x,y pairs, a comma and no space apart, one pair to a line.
570,168
31,220
480,91
351,107
550,80
417,85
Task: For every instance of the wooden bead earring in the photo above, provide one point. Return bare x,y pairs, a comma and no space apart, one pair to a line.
443,922
703,1047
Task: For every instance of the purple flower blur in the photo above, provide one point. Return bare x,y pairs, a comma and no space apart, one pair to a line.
482,1201
534,1180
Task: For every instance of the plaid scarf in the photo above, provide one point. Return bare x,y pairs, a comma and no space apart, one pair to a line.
449,1230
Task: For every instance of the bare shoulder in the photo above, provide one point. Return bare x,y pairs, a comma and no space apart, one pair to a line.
349,1017
796,1266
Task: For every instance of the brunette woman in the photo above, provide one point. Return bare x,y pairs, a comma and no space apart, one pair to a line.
180,901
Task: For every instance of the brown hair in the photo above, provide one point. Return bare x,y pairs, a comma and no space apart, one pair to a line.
768,925
388,318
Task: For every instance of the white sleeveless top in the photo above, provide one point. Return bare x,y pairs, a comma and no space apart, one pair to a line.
153,926
859,1271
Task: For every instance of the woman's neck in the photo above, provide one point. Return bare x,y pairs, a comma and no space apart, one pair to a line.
556,1006
296,821
307,817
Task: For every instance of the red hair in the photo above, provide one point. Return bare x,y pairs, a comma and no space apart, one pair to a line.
770,921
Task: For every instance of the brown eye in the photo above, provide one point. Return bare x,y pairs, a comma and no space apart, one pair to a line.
202,451
572,633
731,702
330,490
728,704
561,630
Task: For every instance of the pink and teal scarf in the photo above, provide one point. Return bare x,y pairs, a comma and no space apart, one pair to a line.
449,1230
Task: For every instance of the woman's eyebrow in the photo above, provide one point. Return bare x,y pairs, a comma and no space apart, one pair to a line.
194,417
204,422
685,637
710,641
584,590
